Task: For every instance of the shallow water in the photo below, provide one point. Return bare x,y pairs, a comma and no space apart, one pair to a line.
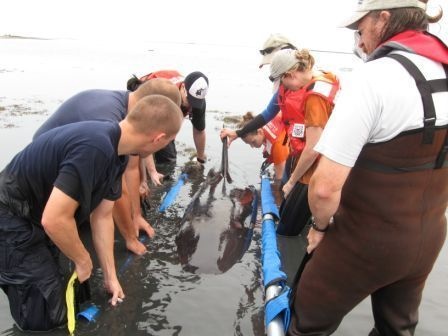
163,298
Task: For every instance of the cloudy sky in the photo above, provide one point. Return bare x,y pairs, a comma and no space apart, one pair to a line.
232,22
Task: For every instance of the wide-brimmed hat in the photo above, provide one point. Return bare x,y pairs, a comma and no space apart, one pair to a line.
196,85
366,6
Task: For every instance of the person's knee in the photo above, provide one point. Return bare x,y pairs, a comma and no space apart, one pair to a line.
36,309
34,288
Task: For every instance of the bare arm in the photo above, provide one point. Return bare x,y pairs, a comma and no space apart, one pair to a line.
307,158
102,225
155,176
58,221
199,142
324,195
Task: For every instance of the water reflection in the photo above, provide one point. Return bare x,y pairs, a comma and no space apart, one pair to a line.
215,230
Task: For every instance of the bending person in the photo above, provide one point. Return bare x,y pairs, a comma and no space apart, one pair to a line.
62,178
112,105
273,138
306,97
193,90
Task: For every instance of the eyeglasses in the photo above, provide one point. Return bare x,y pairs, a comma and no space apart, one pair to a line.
267,51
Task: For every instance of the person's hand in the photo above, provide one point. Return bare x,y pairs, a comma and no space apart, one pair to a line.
156,178
202,159
287,188
114,288
142,225
84,268
314,238
230,134
143,189
135,246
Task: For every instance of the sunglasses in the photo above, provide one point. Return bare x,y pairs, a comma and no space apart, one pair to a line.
267,51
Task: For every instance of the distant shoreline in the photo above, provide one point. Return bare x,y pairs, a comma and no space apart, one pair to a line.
8,36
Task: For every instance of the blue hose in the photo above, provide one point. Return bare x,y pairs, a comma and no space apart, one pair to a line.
172,194
277,311
91,312
268,205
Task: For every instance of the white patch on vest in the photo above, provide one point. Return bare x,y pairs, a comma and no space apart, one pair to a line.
271,134
199,88
323,88
298,131
268,147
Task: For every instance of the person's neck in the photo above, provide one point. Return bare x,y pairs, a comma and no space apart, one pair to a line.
132,100
127,141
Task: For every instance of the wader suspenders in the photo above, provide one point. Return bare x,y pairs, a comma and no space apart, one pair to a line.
426,89
441,158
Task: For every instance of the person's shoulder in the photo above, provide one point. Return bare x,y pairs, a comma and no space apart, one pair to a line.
372,71
99,92
92,129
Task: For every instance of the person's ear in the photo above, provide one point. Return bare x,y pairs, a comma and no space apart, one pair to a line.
384,17
159,137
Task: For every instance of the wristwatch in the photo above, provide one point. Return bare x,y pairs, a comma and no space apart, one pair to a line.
315,227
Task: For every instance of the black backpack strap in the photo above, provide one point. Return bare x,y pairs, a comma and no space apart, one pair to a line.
425,89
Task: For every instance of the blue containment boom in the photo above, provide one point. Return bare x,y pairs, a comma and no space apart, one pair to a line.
277,313
172,194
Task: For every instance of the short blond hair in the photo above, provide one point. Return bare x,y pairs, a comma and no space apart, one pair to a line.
156,113
161,86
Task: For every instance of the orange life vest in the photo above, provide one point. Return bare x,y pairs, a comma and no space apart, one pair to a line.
292,104
272,131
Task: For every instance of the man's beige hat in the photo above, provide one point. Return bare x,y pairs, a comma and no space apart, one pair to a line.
365,6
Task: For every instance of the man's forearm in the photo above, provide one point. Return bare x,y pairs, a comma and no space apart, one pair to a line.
64,234
199,142
322,207
324,192
150,164
103,238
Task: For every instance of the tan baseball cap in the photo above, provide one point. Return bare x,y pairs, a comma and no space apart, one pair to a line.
366,6
274,43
